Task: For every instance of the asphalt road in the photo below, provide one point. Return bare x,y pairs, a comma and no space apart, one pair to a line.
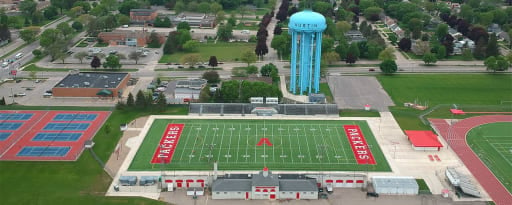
27,51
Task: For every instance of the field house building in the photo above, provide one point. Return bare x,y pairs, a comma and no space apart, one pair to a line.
91,84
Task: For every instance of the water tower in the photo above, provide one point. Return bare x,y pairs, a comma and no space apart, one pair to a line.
306,28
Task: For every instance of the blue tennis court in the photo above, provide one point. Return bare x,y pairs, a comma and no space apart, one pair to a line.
75,117
44,136
10,125
4,135
67,126
43,151
15,116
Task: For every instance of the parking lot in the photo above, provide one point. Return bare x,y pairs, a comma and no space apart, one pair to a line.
28,92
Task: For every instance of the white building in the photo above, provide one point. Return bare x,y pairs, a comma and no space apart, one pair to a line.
395,185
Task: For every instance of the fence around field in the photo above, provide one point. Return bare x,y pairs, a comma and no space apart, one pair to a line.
246,108
443,111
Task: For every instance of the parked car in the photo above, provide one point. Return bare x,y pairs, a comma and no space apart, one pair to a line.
21,94
47,94
113,52
18,55
371,69
5,64
372,194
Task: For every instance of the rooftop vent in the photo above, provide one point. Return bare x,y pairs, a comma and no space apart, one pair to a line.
118,78
61,85
87,83
105,76
80,74
87,75
106,86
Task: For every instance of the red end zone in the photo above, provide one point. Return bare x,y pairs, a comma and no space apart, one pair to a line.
168,144
359,146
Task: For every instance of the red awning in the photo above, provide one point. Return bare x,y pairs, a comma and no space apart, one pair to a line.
457,112
200,180
190,180
328,181
421,138
350,181
339,181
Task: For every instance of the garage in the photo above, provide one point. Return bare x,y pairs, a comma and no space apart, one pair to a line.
395,185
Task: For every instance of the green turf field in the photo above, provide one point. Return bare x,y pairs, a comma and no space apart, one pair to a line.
297,145
493,144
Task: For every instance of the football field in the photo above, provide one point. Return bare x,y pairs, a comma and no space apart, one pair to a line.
252,144
493,144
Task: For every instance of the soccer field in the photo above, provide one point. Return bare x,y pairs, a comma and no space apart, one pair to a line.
253,144
493,144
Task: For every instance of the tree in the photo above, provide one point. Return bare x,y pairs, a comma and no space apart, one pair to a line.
267,69
281,43
50,36
480,49
140,100
485,18
224,32
441,31
388,66
191,45
65,29
96,62
50,12
261,48
372,13
112,62
161,102
248,57
154,40
211,76
183,25
80,55
77,26
353,50
134,55
215,8
161,22
467,55
278,30
492,46
351,58
126,6
387,54
125,20
441,52
130,102
213,61
405,44
330,57
497,63
190,59
28,35
27,8
37,53
429,58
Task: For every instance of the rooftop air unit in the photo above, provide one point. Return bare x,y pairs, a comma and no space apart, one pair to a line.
87,84
106,86
87,75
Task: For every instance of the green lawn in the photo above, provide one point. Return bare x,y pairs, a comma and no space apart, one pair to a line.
480,90
359,113
33,67
81,182
223,52
297,145
324,88
493,144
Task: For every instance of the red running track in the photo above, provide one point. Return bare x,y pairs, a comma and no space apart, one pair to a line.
456,137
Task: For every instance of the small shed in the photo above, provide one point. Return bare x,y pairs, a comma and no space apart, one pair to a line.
148,180
423,140
396,185
128,180
195,191
316,98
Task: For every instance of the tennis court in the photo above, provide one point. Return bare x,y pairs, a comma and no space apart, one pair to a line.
74,117
36,135
252,144
48,136
43,151
66,126
15,116
4,135
10,125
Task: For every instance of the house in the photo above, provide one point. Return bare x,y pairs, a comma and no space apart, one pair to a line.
354,36
128,38
494,28
454,33
503,36
458,46
143,16
200,20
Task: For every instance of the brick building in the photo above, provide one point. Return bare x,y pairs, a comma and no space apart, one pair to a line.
128,38
143,16
200,20
91,84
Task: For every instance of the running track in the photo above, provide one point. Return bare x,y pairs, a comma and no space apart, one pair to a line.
456,137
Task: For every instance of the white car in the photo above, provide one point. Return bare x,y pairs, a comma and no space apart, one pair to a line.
5,64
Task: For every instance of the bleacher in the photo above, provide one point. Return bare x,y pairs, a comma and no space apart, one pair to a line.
247,108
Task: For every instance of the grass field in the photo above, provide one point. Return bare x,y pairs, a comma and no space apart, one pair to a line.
297,145
81,182
230,52
435,89
493,144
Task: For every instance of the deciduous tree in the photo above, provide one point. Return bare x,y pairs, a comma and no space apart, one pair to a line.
248,57
80,55
213,61
388,66
429,58
387,54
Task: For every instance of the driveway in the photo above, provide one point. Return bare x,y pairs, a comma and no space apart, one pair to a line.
354,92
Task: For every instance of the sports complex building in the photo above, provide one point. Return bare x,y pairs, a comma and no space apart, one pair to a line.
91,84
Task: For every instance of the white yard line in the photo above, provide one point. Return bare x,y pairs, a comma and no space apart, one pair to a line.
327,153
221,140
273,145
229,146
339,136
204,140
307,143
291,149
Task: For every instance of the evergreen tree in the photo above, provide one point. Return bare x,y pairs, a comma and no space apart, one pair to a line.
480,49
161,102
140,100
2,101
492,46
441,52
130,101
